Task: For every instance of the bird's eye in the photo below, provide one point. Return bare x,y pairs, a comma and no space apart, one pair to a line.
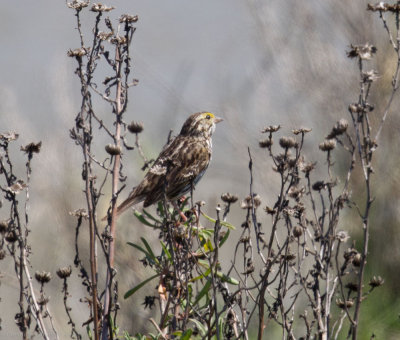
208,117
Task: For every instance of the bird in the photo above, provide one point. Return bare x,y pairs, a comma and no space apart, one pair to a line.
180,165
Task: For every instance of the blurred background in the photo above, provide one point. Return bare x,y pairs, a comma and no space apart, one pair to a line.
252,62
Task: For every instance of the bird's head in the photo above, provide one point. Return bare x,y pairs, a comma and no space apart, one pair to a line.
200,124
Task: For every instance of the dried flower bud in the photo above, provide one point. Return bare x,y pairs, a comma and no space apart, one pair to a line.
369,76
271,128
79,213
297,231
376,281
342,235
128,18
78,5
327,145
42,301
135,127
113,149
104,35
247,202
64,272
9,136
265,143
11,237
17,187
101,8
78,52
200,203
302,130
287,142
306,167
352,286
43,277
269,210
344,304
3,226
229,198
363,52
318,186
339,128
32,148
357,260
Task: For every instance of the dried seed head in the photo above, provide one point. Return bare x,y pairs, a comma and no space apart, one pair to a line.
128,18
42,301
271,128
247,202
101,8
78,5
77,52
17,187
344,304
306,167
118,40
302,130
339,128
297,231
287,142
9,136
369,76
79,213
357,260
265,143
327,145
64,272
104,35
42,277
200,203
3,226
342,235
352,286
229,198
32,147
11,237
2,254
113,149
135,127
318,186
376,281
363,52
269,210
349,253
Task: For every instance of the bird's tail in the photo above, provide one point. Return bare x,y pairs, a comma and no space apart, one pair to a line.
125,205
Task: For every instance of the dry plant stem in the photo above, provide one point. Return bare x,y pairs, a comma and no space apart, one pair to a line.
115,181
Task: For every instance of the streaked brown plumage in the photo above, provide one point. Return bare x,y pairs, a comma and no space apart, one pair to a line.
180,164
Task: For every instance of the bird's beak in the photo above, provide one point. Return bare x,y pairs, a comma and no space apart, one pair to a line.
217,120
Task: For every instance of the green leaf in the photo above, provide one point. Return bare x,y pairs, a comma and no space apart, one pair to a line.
202,276
150,256
224,238
223,223
186,335
226,278
202,329
140,285
142,219
146,244
203,292
151,217
166,251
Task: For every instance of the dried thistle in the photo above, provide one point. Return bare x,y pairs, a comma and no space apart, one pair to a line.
247,202
32,148
344,304
302,130
229,198
113,149
287,142
271,128
101,8
128,18
363,52
265,143
43,277
339,128
376,281
64,272
327,145
135,127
